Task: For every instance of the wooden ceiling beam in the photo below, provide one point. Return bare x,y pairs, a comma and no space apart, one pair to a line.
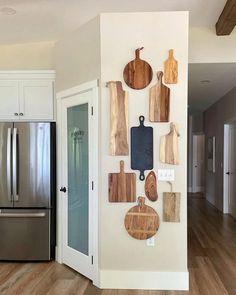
227,19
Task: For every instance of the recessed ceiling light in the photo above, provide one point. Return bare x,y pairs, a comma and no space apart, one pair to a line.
205,81
7,11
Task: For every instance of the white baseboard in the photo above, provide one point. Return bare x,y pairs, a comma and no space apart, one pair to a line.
112,279
190,189
198,189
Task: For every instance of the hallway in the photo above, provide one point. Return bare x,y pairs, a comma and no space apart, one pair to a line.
212,263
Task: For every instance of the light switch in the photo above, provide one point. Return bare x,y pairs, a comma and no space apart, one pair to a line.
166,174
151,242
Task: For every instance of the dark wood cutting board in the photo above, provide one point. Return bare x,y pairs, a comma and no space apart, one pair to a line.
141,148
122,186
137,73
142,221
159,101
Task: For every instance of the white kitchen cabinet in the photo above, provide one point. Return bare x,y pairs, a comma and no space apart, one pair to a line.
27,95
9,100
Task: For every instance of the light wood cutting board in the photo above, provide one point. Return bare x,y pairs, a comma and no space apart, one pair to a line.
118,119
171,69
141,221
171,207
159,101
122,186
169,148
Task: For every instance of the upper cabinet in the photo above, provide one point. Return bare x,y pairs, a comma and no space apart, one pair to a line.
27,95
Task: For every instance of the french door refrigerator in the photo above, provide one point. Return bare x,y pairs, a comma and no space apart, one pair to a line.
27,191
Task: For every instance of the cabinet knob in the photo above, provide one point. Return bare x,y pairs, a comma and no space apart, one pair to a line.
21,114
16,114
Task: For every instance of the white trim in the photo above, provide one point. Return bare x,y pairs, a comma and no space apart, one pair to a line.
77,89
28,75
112,279
226,169
93,85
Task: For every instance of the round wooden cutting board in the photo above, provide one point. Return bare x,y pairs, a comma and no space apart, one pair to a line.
137,73
141,221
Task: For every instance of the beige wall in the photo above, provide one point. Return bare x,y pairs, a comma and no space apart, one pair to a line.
121,34
206,47
27,56
215,117
77,56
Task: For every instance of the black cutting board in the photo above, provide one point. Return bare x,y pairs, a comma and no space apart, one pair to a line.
141,148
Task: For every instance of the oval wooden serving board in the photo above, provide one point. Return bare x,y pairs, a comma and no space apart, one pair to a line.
141,221
151,186
137,73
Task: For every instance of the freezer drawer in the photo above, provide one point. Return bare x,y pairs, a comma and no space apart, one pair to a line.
24,234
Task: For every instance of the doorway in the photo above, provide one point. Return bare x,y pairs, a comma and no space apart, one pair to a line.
77,180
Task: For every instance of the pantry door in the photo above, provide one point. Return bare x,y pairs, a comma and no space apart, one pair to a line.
78,182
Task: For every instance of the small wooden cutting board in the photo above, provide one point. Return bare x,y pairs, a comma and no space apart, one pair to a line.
151,186
171,69
159,101
141,221
137,73
169,148
122,186
171,207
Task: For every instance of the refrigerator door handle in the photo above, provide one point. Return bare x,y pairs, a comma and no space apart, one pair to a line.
24,215
14,166
9,171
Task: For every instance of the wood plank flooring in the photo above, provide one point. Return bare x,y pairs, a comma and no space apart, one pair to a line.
212,263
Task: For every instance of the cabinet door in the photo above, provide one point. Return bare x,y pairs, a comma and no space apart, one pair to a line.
9,100
36,100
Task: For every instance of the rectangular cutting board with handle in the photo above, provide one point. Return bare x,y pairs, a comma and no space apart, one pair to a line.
141,148
122,186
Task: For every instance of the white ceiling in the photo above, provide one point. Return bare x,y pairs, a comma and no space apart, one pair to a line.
45,20
203,95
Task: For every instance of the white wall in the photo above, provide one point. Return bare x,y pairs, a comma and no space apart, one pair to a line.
77,56
206,47
126,262
27,56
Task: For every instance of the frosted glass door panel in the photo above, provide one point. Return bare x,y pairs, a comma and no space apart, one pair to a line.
78,176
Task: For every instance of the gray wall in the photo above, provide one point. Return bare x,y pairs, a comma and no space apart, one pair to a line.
215,117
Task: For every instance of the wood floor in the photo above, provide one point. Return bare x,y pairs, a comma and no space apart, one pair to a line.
212,263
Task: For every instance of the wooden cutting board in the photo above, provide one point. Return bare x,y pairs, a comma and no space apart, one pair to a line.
122,186
137,73
151,186
118,119
171,207
141,148
141,221
169,149
159,101
171,69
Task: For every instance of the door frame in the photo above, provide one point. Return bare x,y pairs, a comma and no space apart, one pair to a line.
196,188
226,163
85,87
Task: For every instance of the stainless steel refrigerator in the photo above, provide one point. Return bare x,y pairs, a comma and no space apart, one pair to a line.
27,191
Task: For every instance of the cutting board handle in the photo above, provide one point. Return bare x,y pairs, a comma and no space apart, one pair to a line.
141,201
171,53
141,120
122,166
137,52
142,176
159,76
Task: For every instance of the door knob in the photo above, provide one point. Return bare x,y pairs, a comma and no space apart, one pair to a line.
63,189
21,114
16,114
227,173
